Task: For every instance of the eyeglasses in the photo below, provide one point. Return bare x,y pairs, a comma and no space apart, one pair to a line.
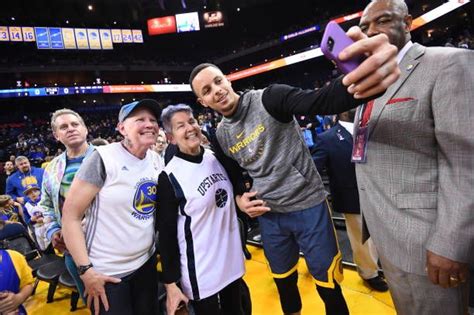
160,142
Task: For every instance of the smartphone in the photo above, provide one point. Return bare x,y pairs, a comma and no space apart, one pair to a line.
334,41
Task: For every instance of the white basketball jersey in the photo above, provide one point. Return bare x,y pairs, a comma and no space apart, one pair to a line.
208,230
120,221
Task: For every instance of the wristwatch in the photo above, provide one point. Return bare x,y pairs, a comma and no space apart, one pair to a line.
83,268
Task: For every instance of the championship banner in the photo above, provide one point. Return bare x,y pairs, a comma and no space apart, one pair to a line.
81,38
106,39
56,38
28,34
116,36
4,36
137,36
69,39
15,34
127,36
42,38
94,39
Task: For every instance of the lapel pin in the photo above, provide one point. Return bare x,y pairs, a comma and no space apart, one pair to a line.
409,67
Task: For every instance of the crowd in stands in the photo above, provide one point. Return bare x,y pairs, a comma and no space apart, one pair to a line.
461,41
35,140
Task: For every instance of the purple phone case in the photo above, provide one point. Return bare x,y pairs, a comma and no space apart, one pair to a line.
341,41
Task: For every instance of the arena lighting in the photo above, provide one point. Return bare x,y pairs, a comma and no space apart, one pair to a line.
164,88
304,31
437,12
93,89
348,17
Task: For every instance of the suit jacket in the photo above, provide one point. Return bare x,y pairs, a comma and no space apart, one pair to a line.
332,150
417,188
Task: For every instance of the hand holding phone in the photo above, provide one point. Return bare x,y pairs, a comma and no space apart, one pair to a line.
334,41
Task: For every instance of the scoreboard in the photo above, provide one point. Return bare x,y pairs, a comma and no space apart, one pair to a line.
94,89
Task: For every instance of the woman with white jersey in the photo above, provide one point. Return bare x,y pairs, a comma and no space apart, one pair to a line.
116,191
200,246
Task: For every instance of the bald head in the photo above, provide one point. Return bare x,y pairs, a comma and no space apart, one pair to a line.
388,17
399,6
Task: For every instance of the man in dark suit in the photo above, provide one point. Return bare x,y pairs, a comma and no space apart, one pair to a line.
332,151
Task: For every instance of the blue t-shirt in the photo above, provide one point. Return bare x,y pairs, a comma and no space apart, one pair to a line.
72,166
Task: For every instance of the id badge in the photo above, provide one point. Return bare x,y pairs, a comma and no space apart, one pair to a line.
359,148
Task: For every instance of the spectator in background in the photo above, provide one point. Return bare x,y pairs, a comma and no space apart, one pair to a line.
116,191
47,159
8,169
10,210
68,128
416,179
36,155
33,192
161,144
332,151
24,176
16,280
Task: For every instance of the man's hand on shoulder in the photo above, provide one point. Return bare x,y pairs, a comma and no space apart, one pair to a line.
378,71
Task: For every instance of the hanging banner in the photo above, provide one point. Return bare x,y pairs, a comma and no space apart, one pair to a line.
127,36
4,37
94,39
42,38
116,36
81,38
69,38
15,34
28,34
137,36
106,39
56,38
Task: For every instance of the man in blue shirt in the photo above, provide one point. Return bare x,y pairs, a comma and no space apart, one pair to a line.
26,175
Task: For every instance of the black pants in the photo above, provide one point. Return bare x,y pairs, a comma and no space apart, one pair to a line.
229,301
136,294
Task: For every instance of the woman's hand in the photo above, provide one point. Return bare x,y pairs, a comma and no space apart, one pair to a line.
94,284
174,298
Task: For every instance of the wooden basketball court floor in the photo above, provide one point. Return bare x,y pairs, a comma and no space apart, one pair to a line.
360,298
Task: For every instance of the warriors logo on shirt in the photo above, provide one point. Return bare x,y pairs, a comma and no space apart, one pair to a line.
28,180
221,198
144,200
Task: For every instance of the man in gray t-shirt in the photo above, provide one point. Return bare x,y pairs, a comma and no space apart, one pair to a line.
290,206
